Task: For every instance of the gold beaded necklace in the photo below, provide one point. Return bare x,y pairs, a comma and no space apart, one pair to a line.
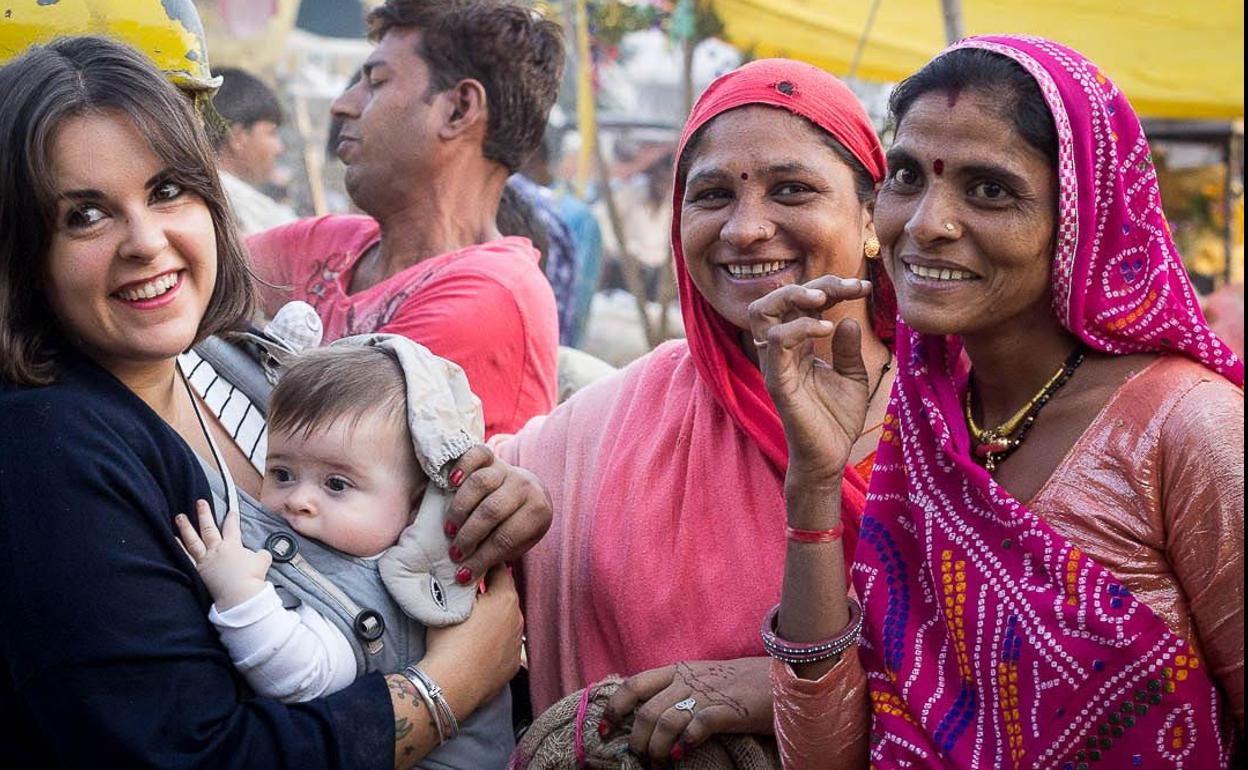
993,445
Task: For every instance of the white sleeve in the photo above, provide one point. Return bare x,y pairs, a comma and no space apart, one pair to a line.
292,656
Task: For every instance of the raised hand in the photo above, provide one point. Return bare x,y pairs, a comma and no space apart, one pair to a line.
822,403
232,572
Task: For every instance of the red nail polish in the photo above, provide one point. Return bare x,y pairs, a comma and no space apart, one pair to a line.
456,556
450,529
604,729
678,752
457,477
464,576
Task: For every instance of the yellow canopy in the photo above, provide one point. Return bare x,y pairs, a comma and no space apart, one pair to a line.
1173,58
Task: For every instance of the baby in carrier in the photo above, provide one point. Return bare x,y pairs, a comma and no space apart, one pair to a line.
361,435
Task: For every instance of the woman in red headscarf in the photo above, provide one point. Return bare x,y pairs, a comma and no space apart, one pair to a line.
668,478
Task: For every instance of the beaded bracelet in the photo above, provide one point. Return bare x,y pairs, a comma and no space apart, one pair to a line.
443,718
793,652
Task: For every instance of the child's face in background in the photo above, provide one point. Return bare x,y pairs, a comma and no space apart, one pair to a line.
351,485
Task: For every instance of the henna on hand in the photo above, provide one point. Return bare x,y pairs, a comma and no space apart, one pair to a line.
708,685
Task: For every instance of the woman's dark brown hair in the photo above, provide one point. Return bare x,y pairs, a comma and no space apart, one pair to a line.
39,92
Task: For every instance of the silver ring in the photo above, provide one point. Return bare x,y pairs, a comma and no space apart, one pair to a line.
686,705
760,343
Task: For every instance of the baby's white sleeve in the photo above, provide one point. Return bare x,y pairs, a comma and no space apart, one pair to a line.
292,656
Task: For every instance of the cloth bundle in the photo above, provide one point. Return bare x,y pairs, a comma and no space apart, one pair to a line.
565,737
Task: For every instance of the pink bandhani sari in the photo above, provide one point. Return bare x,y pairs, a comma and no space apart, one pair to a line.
990,640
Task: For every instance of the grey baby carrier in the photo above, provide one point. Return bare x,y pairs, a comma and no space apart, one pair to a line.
349,591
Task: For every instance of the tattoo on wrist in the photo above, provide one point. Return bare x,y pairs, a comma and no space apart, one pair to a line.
401,691
402,728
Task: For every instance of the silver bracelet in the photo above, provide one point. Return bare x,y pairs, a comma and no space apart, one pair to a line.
448,726
419,683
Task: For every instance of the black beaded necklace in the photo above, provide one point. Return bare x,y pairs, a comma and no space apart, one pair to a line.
993,445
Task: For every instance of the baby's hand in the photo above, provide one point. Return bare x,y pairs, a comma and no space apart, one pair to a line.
232,572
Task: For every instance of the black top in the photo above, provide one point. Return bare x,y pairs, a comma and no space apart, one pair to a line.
109,658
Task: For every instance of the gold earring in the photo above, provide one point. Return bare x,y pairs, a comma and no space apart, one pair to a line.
871,249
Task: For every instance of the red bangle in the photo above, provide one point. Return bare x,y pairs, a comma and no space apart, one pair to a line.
815,535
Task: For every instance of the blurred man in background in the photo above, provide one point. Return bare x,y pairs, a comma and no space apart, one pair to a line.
453,99
249,149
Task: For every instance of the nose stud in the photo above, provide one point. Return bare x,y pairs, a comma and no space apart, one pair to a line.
949,227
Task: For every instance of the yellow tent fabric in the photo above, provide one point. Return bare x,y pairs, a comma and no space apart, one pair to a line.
1173,58
256,48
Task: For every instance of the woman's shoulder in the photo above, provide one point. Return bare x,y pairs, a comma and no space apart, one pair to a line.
85,406
586,415
1180,403
1158,383
88,447
1198,404
31,409
1181,370
643,377
1172,382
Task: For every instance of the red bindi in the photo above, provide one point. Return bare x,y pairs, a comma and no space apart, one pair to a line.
938,166
745,175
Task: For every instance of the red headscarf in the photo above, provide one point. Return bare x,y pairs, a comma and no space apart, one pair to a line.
825,101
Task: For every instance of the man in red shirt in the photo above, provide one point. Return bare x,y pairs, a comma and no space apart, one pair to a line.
453,99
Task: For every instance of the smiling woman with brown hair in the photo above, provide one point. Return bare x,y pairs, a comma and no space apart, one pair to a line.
1051,562
118,253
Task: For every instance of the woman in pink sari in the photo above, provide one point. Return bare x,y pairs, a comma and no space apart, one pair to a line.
1050,567
667,479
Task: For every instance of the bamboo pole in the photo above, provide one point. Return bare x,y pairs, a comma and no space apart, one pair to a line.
953,20
586,117
311,156
629,264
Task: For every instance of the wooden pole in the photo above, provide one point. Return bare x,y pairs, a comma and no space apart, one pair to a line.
953,20
862,41
686,75
586,117
312,153
629,264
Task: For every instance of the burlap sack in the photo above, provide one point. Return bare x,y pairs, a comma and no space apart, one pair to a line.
550,743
